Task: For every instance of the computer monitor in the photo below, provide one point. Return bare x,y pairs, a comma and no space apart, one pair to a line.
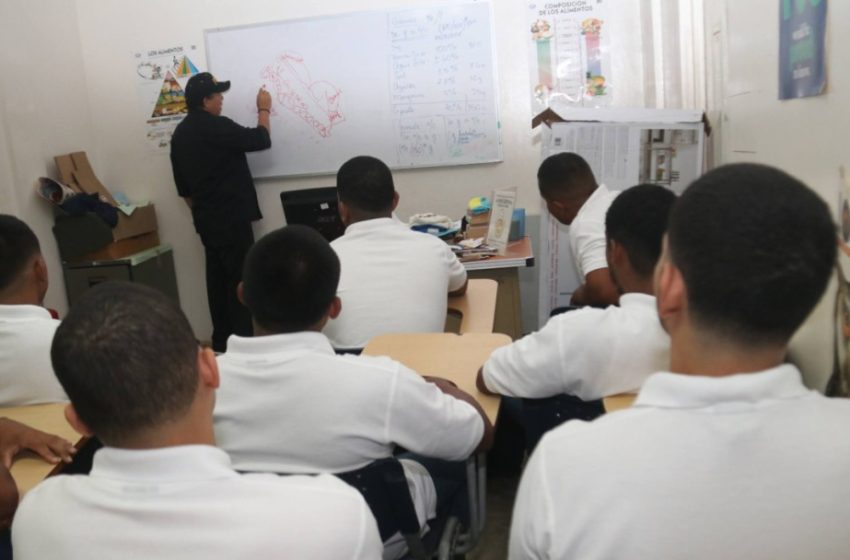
316,208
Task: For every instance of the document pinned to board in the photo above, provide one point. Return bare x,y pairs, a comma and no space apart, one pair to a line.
501,215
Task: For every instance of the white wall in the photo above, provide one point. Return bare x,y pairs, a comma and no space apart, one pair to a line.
806,137
111,31
44,111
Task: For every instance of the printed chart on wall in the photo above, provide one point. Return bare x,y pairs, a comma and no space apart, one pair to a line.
839,383
621,155
802,38
413,87
570,55
161,76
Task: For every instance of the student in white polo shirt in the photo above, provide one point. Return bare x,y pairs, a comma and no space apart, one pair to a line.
289,404
26,327
573,197
727,455
393,279
137,379
592,353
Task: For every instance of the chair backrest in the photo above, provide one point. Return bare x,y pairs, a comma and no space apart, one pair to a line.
541,415
385,489
383,485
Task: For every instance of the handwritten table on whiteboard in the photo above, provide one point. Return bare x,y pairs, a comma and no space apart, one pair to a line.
413,87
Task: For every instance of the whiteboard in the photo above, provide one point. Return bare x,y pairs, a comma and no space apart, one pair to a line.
413,87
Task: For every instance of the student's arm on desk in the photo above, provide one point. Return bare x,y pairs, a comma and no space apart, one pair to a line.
597,290
452,390
479,382
460,291
15,437
458,279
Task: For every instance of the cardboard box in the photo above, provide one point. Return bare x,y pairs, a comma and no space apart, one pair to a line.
80,237
478,219
473,232
123,248
76,172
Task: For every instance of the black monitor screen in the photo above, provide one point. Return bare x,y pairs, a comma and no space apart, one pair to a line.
316,208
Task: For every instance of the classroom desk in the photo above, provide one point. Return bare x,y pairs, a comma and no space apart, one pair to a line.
618,402
456,358
29,469
476,307
504,269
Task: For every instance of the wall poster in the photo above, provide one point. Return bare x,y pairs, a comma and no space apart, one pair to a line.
570,54
802,34
161,76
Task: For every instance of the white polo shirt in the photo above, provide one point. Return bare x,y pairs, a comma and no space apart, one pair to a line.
26,375
749,466
187,503
393,279
590,353
288,404
587,232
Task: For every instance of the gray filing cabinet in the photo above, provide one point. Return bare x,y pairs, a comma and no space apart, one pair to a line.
153,267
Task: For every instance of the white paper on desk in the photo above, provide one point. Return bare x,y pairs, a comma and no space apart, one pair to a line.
500,219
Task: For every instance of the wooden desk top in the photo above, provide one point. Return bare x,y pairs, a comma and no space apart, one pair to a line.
454,357
477,306
618,402
518,255
29,469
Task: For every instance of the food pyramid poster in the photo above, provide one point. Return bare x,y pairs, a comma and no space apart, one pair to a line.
185,68
172,99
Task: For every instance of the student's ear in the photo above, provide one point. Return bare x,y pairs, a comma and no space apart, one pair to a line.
614,252
344,212
208,368
39,270
395,200
335,309
561,211
670,293
240,292
74,420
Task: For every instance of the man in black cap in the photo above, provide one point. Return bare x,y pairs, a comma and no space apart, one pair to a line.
211,173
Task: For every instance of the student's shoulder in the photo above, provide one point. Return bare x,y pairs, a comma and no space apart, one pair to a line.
582,321
52,496
324,487
605,434
379,365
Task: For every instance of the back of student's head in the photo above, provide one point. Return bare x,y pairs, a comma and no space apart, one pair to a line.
756,249
290,279
637,220
564,174
127,359
366,184
18,244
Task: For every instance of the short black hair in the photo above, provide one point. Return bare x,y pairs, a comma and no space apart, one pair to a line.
756,248
564,174
127,359
366,184
290,279
637,220
18,244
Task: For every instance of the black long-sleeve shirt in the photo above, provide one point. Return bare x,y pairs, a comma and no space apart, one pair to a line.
210,167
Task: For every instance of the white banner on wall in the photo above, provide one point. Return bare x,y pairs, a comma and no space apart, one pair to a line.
627,150
569,53
161,76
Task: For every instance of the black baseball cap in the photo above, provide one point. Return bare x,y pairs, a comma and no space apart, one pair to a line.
200,86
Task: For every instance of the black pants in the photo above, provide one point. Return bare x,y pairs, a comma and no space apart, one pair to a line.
225,255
